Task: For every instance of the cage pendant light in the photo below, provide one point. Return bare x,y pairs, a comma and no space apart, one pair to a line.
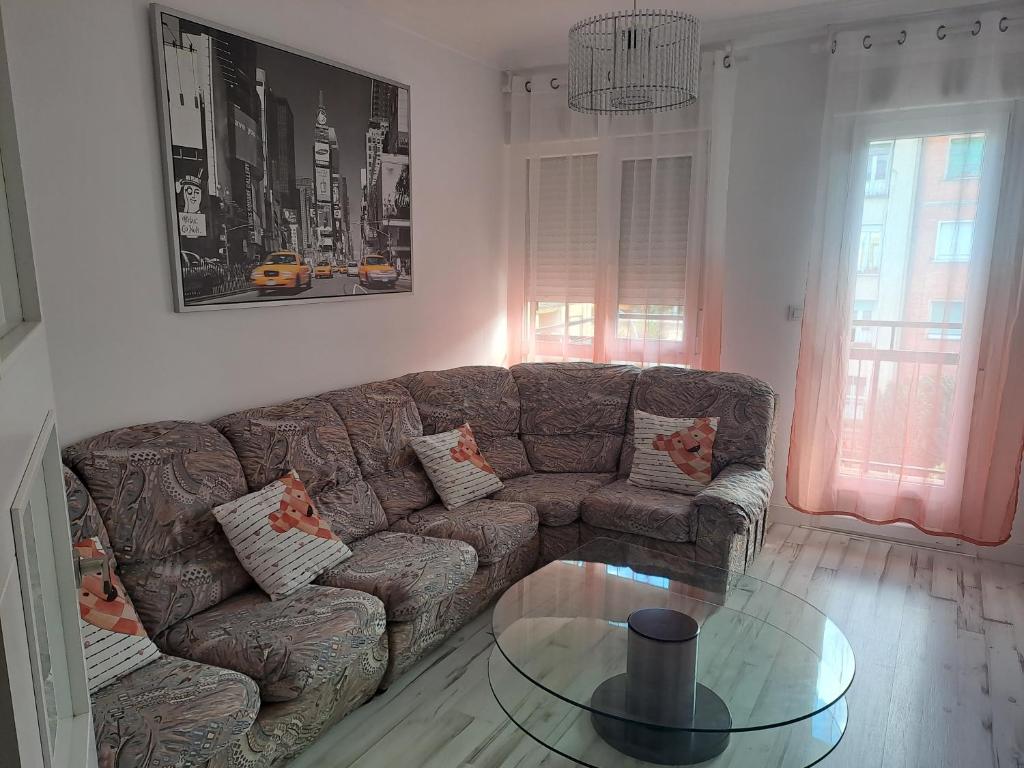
633,62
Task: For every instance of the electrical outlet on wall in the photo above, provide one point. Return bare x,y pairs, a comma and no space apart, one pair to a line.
795,312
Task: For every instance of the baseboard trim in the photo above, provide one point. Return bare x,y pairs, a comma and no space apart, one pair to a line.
901,533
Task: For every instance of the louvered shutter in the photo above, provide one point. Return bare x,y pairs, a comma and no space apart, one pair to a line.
562,249
654,228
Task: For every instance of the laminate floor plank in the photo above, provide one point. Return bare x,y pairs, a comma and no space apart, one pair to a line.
938,637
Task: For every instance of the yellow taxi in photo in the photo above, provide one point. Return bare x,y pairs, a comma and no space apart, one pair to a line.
281,270
323,269
377,272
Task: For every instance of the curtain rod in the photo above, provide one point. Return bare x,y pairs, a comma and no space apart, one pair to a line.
1007,9
942,31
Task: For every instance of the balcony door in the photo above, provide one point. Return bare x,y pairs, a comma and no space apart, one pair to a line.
921,218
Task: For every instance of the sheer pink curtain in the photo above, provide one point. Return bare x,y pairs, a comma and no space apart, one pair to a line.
910,388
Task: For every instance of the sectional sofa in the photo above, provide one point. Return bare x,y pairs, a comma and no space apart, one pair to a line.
244,681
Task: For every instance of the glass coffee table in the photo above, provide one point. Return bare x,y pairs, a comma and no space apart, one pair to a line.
617,656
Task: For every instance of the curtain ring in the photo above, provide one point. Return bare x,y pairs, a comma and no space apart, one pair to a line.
1003,24
977,28
727,61
528,86
835,44
902,38
554,83
941,32
867,42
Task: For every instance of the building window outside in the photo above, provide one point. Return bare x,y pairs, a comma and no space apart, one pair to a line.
954,240
965,157
855,403
869,253
879,169
864,309
946,312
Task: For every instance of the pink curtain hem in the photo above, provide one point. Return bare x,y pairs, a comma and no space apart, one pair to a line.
909,521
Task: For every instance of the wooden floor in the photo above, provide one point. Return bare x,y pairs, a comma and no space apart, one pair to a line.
939,640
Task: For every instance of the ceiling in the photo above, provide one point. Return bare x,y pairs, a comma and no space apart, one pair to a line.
519,34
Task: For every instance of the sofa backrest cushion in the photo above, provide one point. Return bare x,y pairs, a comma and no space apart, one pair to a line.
154,486
745,408
380,419
307,436
85,519
484,396
573,414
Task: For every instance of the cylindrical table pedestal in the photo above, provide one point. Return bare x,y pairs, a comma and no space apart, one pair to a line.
649,711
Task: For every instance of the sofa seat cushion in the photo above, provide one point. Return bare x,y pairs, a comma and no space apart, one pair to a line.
172,712
405,571
622,506
492,528
555,495
287,645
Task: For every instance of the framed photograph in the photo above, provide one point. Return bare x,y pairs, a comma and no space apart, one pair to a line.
287,175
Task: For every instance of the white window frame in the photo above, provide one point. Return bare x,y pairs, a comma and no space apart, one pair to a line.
955,257
879,187
949,157
945,334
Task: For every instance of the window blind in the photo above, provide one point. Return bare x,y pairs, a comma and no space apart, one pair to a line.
654,228
562,249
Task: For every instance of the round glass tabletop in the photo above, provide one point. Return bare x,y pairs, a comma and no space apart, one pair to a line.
669,659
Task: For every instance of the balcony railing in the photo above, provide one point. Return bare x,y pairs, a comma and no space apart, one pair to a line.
878,368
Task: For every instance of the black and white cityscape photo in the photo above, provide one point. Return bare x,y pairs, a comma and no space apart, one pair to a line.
290,176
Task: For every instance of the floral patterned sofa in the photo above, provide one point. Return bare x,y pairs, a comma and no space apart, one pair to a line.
244,681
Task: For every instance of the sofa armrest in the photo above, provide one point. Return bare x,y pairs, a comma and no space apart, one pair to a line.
738,493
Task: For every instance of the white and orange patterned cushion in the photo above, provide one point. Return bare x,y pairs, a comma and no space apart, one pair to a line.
672,454
455,466
115,641
278,537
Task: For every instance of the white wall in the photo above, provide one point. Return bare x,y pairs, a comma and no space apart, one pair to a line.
85,102
780,103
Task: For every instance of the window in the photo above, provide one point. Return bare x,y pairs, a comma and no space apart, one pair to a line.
652,264
954,241
856,397
561,268
879,169
965,156
650,321
869,254
633,298
897,405
575,321
946,312
864,309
